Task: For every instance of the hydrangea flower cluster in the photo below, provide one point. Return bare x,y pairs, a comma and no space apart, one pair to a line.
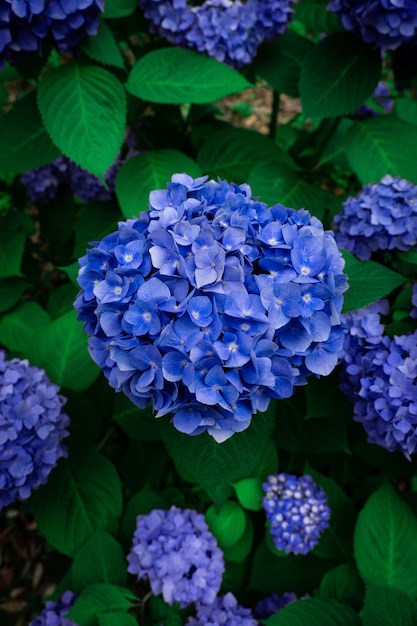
383,103
224,610
178,554
32,426
383,216
413,312
24,24
230,31
297,511
273,603
385,23
211,304
43,183
54,612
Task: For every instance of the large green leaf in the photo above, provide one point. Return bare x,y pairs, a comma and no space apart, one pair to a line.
116,618
279,184
382,145
11,289
13,233
215,466
100,560
386,542
226,523
82,497
103,47
280,62
179,76
315,612
343,583
368,281
315,16
119,8
146,172
84,110
99,599
94,221
385,606
338,75
233,153
24,142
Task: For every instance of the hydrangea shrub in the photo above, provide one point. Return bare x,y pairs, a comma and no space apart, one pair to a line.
227,433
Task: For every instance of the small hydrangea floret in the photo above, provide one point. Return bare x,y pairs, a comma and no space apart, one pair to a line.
387,24
224,610
297,511
211,304
54,613
32,427
176,552
383,216
230,31
272,604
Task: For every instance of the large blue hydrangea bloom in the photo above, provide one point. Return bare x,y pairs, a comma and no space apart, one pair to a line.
24,24
224,610
54,612
379,377
211,304
271,604
43,183
32,426
178,554
383,216
297,511
385,23
230,31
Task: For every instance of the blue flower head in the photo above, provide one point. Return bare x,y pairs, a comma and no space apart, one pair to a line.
224,610
231,32
297,511
54,612
385,23
32,426
383,216
176,552
271,604
211,304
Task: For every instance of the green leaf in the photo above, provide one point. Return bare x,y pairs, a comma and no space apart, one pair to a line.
96,600
100,560
406,110
119,8
146,172
216,465
249,493
233,153
103,47
240,550
179,76
227,524
11,289
315,16
315,612
343,583
278,184
141,503
372,148
386,542
115,618
368,281
139,424
268,462
24,142
319,435
94,221
13,233
338,75
82,497
84,110
385,606
20,331
280,62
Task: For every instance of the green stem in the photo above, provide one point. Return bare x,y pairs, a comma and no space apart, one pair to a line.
274,115
105,438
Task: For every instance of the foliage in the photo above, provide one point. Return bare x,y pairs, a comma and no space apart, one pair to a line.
101,107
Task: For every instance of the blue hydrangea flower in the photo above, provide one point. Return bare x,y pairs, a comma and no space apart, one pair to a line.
32,426
178,554
383,216
385,23
413,312
297,511
224,610
43,183
54,612
271,604
211,304
380,102
25,23
230,31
